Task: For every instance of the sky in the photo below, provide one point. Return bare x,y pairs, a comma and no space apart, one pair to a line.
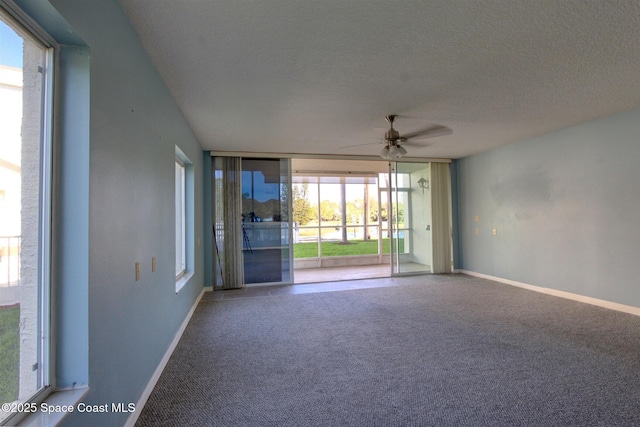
10,47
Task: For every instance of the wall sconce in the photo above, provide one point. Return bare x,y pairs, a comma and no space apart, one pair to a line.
424,184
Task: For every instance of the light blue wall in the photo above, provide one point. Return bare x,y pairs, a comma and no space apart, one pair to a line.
118,207
71,256
565,206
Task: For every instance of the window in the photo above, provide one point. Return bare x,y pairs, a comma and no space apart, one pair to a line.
25,217
181,237
398,188
336,215
184,206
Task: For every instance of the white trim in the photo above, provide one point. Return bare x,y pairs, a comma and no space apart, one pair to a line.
67,398
48,187
183,279
562,294
180,222
163,363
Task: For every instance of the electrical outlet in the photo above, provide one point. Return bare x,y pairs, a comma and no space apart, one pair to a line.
495,231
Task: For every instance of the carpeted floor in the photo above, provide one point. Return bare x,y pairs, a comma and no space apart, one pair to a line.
437,351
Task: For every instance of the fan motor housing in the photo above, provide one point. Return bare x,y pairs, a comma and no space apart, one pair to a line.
391,135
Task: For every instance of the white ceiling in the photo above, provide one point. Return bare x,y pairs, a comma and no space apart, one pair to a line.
312,77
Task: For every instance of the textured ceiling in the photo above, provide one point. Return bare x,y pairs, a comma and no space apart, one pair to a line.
291,76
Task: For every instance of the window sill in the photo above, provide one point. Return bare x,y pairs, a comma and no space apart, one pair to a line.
57,399
182,280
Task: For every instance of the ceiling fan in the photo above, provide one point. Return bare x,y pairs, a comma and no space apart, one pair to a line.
393,141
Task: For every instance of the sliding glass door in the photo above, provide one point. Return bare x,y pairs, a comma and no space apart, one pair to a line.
411,242
266,221
252,222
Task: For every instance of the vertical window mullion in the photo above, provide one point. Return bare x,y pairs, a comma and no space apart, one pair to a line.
46,218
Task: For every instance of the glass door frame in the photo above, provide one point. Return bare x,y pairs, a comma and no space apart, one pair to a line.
284,227
407,221
250,245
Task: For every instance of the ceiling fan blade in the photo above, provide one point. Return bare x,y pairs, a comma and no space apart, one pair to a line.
431,132
359,145
418,143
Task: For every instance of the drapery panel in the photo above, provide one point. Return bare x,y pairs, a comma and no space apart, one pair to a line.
441,214
228,221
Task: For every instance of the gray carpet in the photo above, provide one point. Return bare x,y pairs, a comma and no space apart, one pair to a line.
437,351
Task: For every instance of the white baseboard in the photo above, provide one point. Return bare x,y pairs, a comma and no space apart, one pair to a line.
165,359
562,294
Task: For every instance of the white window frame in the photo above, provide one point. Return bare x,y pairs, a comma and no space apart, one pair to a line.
181,214
13,16
185,207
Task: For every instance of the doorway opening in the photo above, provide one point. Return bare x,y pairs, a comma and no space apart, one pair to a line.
359,219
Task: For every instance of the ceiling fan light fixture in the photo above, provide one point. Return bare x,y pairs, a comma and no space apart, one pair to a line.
392,151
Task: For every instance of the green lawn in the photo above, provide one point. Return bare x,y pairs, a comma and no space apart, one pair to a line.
355,247
9,353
